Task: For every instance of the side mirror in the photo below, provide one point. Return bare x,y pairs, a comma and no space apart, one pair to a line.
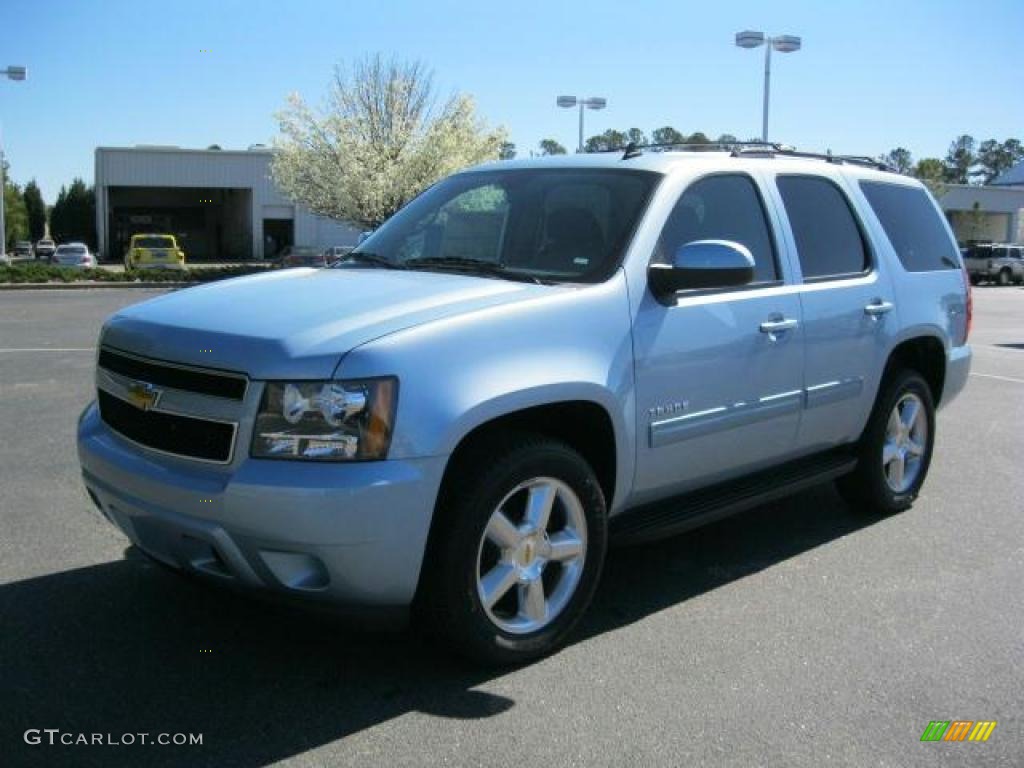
703,264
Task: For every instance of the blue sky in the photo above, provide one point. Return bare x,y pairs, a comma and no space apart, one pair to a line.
871,75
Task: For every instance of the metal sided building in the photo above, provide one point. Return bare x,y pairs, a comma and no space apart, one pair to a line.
221,204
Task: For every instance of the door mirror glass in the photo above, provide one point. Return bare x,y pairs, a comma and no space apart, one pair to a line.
703,264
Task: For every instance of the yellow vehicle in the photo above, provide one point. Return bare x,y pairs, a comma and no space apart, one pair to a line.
154,252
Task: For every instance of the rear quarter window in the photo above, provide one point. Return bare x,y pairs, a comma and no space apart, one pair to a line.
913,226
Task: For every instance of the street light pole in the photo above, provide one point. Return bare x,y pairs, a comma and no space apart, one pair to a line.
593,102
782,44
12,73
767,89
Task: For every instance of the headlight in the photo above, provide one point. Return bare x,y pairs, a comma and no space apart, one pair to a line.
326,420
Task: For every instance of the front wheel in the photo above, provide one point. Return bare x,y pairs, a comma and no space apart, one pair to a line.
895,449
1003,278
518,550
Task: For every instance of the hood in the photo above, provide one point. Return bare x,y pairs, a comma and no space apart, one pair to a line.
297,323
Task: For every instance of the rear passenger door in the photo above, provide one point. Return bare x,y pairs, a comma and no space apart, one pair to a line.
848,307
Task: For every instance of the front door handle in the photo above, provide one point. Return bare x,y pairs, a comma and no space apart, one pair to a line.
777,326
878,307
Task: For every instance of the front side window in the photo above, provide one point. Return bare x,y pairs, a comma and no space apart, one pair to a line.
560,225
723,207
829,242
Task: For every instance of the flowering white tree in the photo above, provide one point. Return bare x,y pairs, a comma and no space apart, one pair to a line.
378,142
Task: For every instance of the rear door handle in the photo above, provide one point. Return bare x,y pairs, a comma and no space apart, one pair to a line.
878,307
777,326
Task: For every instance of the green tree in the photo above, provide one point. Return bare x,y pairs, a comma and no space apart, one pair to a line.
726,138
960,159
379,141
507,151
931,171
996,157
36,210
74,214
900,159
697,138
667,135
610,139
551,147
636,136
15,215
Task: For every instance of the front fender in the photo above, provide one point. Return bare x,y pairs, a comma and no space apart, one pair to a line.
459,373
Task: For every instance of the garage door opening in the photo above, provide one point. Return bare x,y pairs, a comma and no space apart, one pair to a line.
278,234
210,224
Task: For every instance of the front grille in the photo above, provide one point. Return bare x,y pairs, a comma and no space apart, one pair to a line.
204,382
168,432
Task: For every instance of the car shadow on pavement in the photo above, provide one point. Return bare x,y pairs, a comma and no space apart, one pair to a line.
127,648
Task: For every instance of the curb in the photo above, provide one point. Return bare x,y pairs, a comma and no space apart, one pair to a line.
86,285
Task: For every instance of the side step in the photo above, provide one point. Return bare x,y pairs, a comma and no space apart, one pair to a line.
692,510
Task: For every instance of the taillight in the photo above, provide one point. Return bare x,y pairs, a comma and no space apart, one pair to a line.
970,306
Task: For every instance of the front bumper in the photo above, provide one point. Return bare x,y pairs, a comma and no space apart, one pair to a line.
175,266
352,535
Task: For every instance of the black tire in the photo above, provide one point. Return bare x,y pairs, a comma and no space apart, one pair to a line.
975,279
1004,278
475,489
867,489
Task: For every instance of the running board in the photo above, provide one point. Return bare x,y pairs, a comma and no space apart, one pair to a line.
692,510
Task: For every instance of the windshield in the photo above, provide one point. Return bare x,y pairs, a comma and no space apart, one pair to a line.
552,224
154,242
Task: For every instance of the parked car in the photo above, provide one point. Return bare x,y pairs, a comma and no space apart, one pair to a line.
22,249
73,255
149,251
995,263
336,252
531,357
302,256
45,249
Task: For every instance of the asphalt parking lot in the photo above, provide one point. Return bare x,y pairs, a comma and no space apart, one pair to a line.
798,634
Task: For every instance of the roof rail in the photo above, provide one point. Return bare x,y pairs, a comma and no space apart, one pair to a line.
750,149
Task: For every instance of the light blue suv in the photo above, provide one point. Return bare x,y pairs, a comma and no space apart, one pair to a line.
529,360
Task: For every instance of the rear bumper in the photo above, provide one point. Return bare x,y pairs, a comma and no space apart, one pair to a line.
958,368
176,266
352,536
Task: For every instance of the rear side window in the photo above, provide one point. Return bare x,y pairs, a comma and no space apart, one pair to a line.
912,226
828,239
725,207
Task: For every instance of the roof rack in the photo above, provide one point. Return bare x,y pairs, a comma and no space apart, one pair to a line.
752,149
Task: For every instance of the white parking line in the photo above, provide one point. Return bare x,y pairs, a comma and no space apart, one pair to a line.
1001,378
48,349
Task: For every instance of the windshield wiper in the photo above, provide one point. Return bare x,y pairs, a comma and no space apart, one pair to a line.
365,257
464,264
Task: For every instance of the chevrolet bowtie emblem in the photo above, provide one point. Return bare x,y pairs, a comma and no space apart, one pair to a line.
142,395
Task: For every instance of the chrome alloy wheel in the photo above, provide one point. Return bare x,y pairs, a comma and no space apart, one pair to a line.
906,437
531,555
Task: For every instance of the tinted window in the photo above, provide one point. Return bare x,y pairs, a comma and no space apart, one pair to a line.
557,224
912,226
725,207
828,240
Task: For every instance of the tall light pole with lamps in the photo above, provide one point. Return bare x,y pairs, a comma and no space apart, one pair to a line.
593,102
782,44
12,73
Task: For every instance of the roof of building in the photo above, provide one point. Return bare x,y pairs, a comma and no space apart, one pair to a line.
1012,177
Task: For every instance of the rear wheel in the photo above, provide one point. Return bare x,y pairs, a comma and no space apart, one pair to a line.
518,551
896,448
